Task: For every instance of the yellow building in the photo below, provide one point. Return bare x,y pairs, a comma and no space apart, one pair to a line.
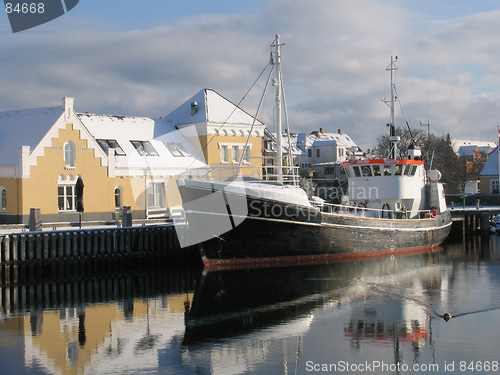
122,160
222,129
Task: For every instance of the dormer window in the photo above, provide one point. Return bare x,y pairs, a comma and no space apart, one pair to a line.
177,149
144,148
69,155
111,143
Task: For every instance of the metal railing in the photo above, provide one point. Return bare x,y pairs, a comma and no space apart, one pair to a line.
262,174
379,213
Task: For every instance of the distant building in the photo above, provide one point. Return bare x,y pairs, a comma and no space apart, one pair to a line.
488,178
318,156
472,150
315,148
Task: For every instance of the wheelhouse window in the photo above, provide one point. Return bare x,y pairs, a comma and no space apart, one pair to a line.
111,143
144,148
69,155
367,171
3,200
398,169
387,170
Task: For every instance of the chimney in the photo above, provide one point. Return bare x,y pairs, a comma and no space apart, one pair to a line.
321,131
340,131
67,106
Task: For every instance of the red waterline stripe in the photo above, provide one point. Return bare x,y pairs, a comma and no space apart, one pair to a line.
265,262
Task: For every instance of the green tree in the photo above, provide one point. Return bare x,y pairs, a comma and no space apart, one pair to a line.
437,151
428,143
453,168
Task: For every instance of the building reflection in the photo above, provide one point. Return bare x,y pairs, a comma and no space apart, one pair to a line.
96,325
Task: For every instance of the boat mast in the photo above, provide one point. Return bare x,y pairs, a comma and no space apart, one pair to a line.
277,82
393,138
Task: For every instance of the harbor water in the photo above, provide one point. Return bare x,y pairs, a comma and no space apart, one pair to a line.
431,313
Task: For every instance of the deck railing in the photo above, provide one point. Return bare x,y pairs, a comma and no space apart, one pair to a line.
264,174
361,211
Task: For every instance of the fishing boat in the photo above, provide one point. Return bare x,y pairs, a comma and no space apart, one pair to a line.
393,205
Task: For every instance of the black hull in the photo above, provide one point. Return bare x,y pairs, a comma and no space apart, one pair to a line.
274,233
277,232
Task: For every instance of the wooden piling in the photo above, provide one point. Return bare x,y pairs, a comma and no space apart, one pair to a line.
142,243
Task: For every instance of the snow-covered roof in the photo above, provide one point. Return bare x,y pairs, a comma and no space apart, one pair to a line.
24,127
491,166
158,132
458,143
301,141
466,150
208,106
342,138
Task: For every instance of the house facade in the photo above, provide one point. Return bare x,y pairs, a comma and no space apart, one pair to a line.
221,130
488,178
122,160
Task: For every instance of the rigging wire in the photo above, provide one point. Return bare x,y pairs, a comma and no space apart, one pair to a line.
229,116
290,159
256,115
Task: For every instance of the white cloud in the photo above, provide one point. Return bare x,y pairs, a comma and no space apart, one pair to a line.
334,65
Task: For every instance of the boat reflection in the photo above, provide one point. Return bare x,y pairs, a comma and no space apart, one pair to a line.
228,303
184,321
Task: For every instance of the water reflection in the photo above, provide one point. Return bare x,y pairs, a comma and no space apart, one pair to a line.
262,320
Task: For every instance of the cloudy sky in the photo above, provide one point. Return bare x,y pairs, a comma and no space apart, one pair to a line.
146,57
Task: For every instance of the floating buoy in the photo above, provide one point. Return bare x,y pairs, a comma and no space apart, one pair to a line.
447,316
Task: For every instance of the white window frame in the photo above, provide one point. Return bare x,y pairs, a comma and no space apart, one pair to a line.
66,192
224,154
494,186
144,148
246,155
3,200
235,154
69,153
111,143
156,195
119,195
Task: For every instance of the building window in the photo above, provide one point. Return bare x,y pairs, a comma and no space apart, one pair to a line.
111,143
317,152
246,155
223,154
494,186
177,149
309,153
69,155
66,195
155,195
144,148
3,200
118,198
235,154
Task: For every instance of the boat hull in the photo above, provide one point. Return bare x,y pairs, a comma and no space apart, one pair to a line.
284,233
